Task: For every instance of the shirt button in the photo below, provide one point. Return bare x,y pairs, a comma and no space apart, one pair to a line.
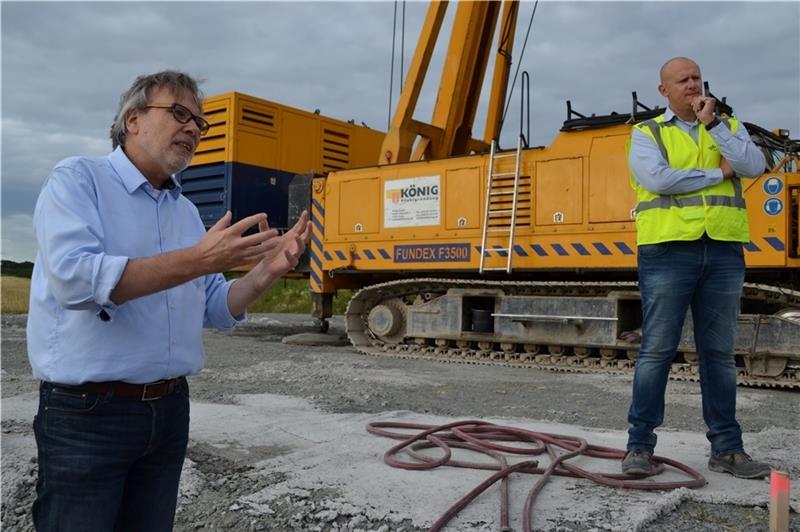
174,341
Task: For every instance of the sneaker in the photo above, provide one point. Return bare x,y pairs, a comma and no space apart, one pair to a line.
739,465
637,462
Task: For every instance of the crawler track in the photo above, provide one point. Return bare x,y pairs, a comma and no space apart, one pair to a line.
613,359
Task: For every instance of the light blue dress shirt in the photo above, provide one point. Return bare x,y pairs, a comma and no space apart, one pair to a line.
93,215
655,174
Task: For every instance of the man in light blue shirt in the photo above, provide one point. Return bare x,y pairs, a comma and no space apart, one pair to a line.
690,256
124,281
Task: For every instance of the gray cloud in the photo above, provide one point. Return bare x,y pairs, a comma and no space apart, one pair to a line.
64,65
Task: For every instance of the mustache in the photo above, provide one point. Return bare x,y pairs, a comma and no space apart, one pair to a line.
187,140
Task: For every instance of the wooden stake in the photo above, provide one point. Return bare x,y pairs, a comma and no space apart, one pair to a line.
778,501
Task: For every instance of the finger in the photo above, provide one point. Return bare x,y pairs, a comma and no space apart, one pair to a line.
305,236
250,258
297,228
302,230
223,222
298,248
246,223
292,259
697,104
302,223
267,251
259,238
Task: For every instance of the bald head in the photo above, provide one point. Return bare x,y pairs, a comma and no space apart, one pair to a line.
681,85
676,63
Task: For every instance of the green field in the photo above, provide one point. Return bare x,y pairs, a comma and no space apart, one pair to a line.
286,295
292,296
14,294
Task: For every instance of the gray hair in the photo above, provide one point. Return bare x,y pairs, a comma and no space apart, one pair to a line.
137,97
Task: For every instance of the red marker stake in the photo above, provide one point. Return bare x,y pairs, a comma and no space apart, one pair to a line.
778,501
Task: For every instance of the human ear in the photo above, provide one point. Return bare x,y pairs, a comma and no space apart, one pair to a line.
132,121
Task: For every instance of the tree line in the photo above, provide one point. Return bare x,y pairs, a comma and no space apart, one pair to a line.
16,269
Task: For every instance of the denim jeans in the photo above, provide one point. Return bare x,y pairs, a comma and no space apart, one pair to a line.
706,275
108,463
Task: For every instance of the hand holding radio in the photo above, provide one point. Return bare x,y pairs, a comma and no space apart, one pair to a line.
705,108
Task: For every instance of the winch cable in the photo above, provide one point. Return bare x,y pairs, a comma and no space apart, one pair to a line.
495,440
391,69
391,61
519,64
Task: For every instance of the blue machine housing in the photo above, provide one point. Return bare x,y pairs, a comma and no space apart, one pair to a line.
241,188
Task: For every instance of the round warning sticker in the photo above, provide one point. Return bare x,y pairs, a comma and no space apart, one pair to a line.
773,185
773,206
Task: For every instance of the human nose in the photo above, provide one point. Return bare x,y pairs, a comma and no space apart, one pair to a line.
192,128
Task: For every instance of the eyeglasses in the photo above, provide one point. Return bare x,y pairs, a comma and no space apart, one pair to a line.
183,115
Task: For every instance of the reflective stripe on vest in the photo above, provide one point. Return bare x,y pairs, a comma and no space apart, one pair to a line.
665,202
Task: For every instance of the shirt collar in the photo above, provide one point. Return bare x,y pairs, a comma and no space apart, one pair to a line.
669,115
132,178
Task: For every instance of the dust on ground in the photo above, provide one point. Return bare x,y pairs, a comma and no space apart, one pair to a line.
278,441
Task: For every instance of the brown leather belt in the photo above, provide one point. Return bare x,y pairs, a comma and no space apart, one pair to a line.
146,392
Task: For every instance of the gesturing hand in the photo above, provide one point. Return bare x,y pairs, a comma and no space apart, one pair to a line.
287,248
223,247
277,255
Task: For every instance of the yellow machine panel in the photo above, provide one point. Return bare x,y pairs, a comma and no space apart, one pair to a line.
558,193
610,198
463,187
359,206
254,131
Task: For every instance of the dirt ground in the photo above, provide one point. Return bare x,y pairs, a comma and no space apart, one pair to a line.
278,440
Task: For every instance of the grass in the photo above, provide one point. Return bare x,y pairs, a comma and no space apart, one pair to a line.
14,292
286,295
292,296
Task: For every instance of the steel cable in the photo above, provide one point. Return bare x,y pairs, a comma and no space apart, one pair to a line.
497,441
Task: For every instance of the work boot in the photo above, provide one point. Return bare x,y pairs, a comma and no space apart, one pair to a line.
637,462
739,465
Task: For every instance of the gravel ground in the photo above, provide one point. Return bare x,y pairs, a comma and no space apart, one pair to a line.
228,487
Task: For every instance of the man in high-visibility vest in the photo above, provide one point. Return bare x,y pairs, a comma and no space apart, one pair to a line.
691,223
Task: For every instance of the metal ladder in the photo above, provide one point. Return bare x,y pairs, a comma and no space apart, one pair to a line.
491,192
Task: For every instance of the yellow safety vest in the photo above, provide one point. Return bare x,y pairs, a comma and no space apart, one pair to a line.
718,210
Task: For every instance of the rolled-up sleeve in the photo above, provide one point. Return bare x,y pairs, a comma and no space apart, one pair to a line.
218,314
68,229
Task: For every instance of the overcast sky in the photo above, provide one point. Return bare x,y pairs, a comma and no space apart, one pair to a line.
64,65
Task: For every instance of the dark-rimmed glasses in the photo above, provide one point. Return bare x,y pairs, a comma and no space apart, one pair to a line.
183,115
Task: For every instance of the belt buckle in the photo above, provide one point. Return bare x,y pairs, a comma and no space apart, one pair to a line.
145,397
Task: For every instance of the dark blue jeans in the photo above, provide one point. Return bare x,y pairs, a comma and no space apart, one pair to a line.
108,463
706,275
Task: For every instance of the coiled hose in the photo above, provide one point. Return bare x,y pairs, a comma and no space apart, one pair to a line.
495,440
